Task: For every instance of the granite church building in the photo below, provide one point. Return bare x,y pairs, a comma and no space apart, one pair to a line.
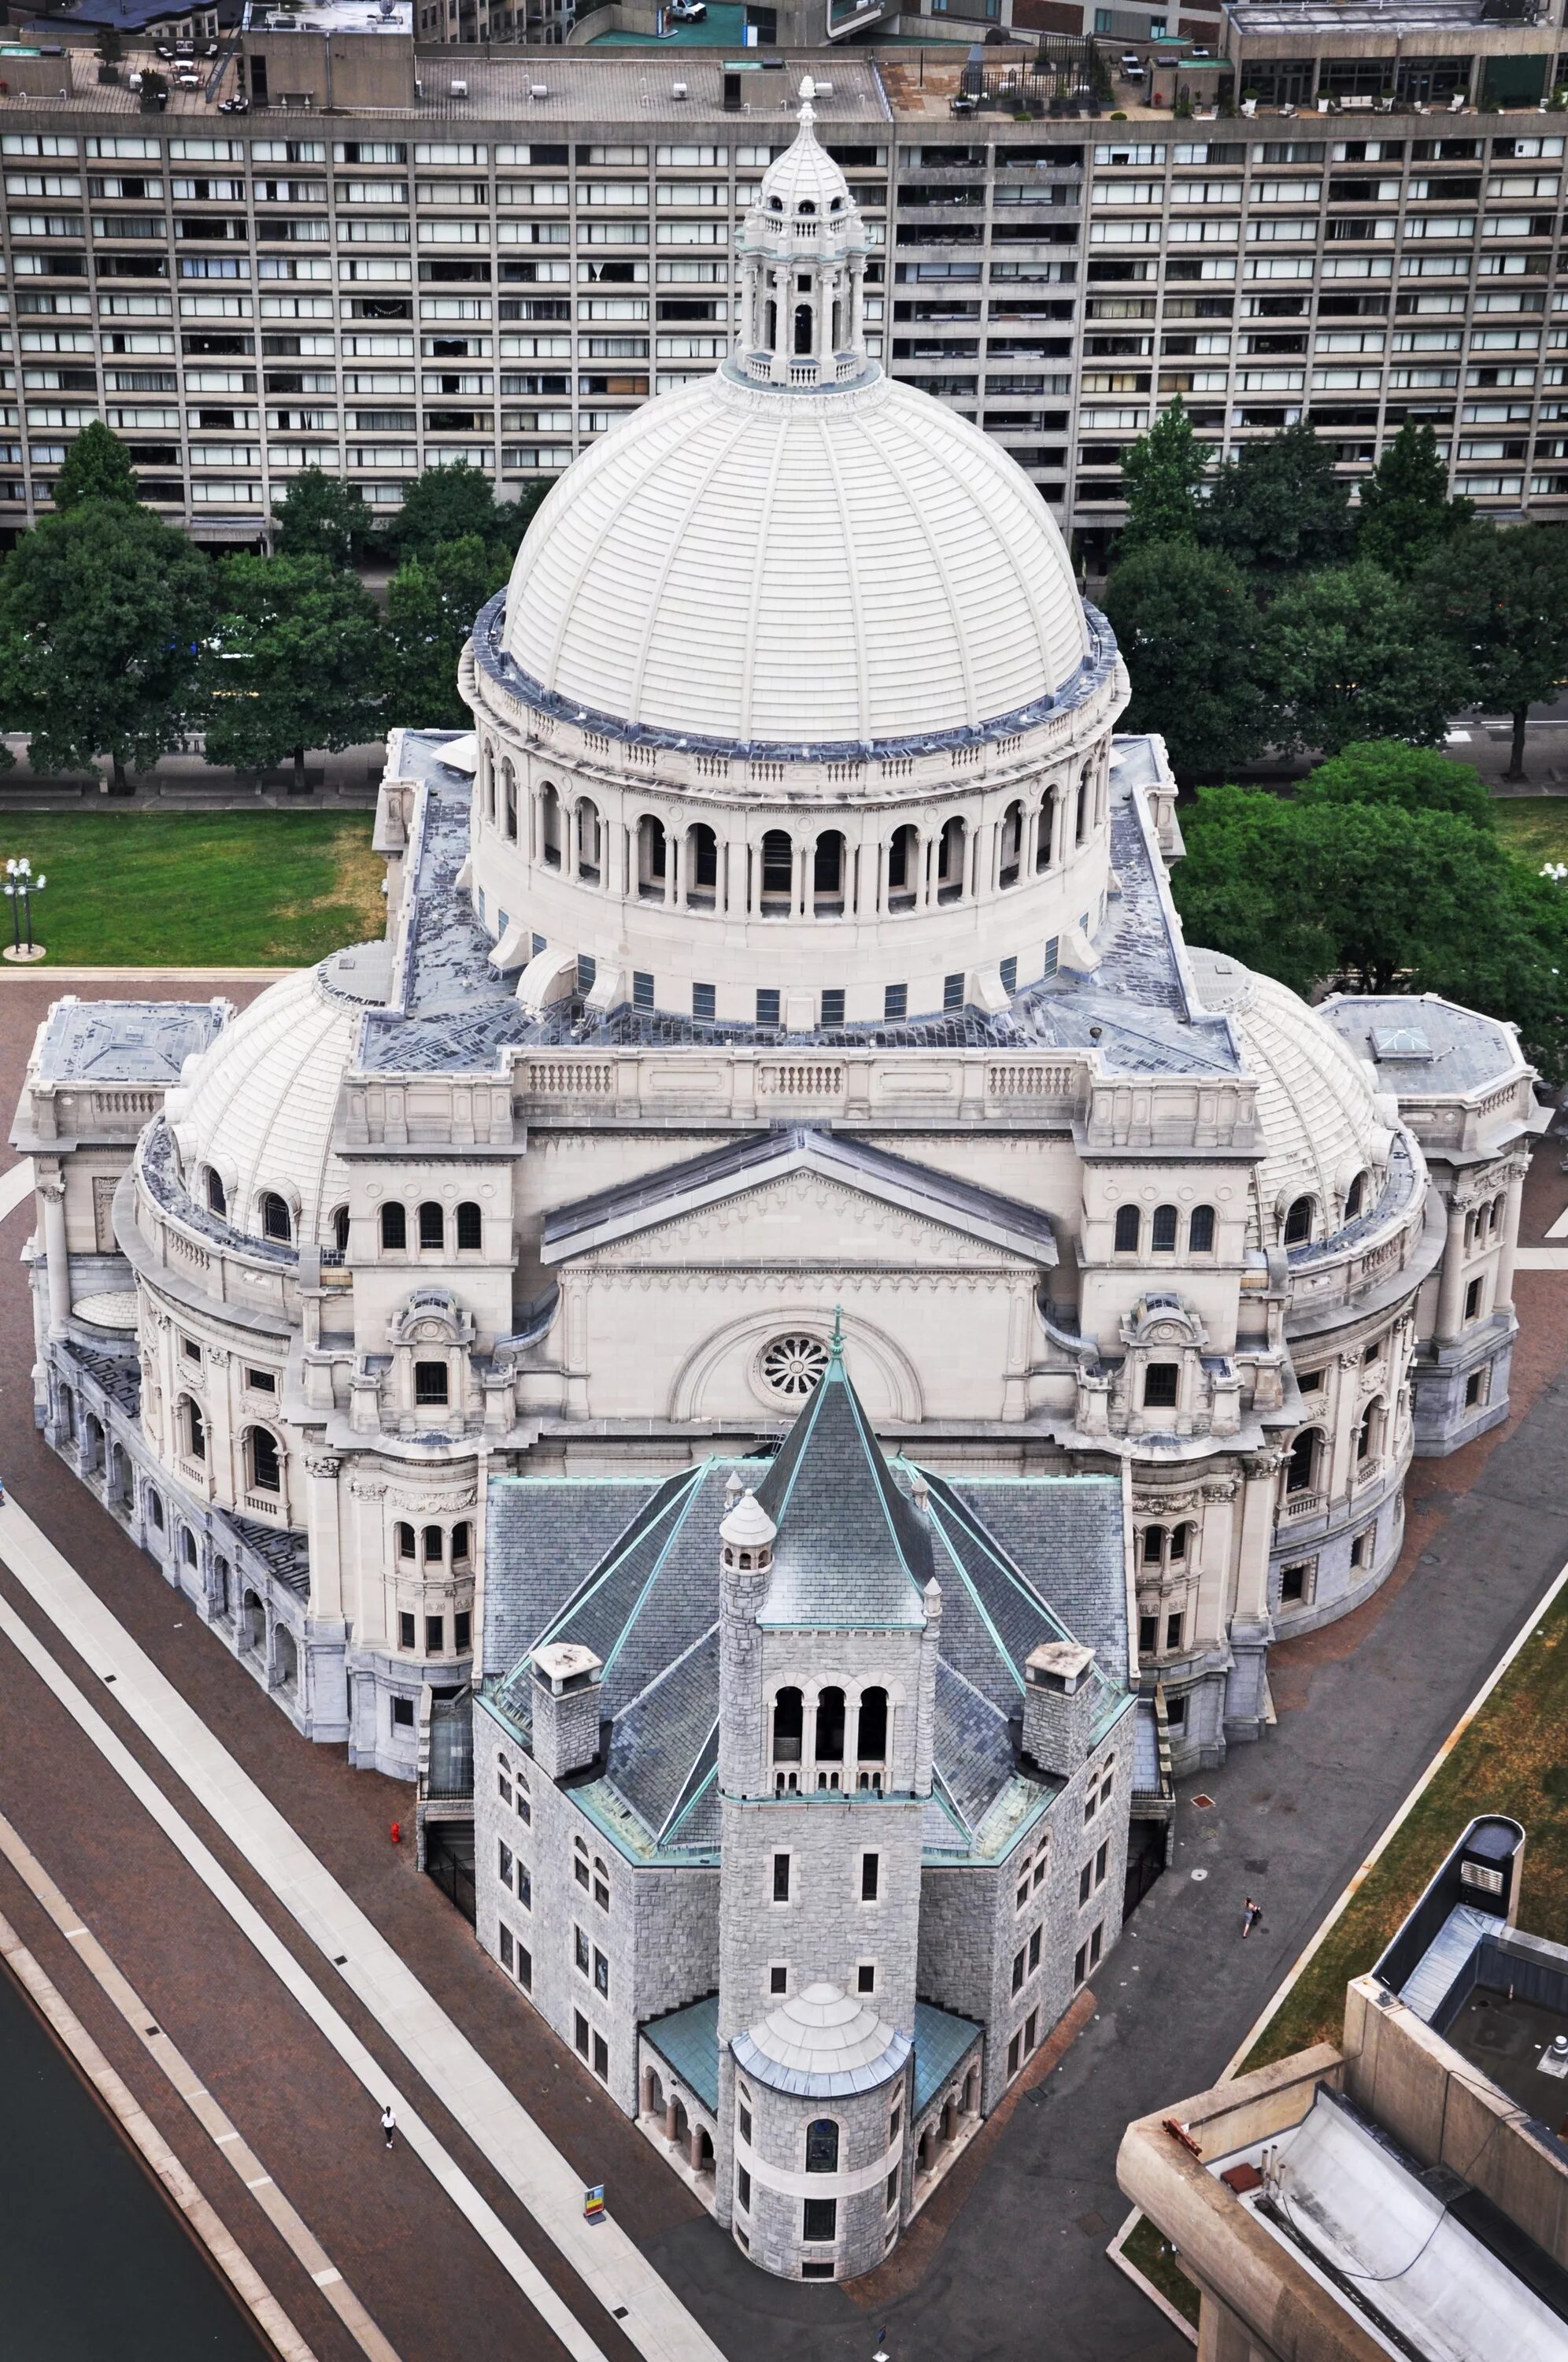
782,1295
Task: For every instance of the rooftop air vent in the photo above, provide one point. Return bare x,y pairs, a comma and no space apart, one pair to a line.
677,90
459,90
538,90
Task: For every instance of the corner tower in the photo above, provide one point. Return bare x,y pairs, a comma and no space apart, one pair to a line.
827,1622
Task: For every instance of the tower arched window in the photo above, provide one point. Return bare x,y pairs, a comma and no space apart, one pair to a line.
788,1725
1163,1231
1127,1230
462,1543
587,853
432,1225
340,1229
821,2146
1201,1231
652,859
433,1545
702,867
404,1534
1011,846
803,329
509,788
827,872
1301,1468
777,873
263,1464
490,786
951,851
871,1737
1355,1195
276,1221
903,867
1080,814
394,1228
217,1198
550,826
1298,1223
471,1228
195,1429
770,325
1044,831
830,1734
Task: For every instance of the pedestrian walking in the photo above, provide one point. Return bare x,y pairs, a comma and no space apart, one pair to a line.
389,2123
1250,1913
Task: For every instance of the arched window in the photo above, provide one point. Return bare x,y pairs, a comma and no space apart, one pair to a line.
461,1544
1201,1231
340,1229
1298,1223
587,841
830,1727
788,1724
217,1196
404,1534
1153,1545
802,328
1369,1433
195,1428
433,1545
827,872
155,1510
509,786
821,2146
1011,846
903,869
1353,1196
1080,815
490,785
951,850
778,871
1163,1231
187,1546
770,311
702,867
1127,1228
261,1458
276,1221
432,1225
430,1383
1044,828
394,1228
871,1740
1178,1543
471,1228
1301,1468
550,826
652,864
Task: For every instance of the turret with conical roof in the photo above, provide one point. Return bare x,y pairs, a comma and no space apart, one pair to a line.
803,255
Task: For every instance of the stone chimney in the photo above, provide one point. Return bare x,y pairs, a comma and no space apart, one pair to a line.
1058,1706
566,1708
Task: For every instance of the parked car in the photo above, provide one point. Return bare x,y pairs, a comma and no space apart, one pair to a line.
1131,67
687,12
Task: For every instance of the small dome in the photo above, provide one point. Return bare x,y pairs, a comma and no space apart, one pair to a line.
855,564
821,2042
258,1108
1319,1120
804,180
748,1525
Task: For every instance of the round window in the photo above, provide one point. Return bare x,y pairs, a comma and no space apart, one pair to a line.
792,1367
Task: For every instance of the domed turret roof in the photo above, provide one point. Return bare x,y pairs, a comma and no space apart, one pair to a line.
258,1108
821,2041
1316,1105
805,178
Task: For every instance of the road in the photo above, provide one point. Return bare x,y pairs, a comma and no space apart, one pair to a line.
215,1857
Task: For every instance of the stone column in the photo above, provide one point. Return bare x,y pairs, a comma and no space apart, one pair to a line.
1451,1289
694,2148
55,1256
669,2131
326,1550
1509,1248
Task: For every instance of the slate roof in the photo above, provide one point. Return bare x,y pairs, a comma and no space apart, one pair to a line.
126,1041
451,1011
630,1569
941,2041
687,2041
1463,1052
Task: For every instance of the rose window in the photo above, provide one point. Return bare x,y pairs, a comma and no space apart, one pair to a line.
792,1367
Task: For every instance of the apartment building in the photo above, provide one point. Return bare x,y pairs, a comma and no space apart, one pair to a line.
403,257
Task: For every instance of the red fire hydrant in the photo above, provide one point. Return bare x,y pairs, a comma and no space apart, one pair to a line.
397,1833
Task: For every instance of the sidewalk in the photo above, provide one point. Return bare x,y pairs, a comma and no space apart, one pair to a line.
189,783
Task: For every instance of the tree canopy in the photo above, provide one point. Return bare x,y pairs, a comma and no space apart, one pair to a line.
1391,771
321,516
1163,471
448,504
1278,507
297,662
97,468
431,606
1345,655
102,611
1187,624
1500,601
1405,509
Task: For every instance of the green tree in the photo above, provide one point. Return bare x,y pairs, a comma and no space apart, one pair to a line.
1391,771
1163,471
1404,508
1500,601
298,660
97,468
1346,655
102,610
1188,626
1278,507
321,516
431,606
451,503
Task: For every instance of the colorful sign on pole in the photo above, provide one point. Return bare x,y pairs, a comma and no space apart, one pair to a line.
594,2202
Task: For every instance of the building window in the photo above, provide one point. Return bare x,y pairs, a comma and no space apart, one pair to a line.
580,1954
1361,1547
1030,2031
403,1713
1018,1962
1301,1469
601,2058
506,1949
471,1228
1473,1300
195,1430
778,1978
642,988
430,1383
822,2146
1160,1380
435,1635
405,1542
870,1876
1295,1583
217,1199
524,1968
266,1469
432,1225
1163,1231
1085,1888
1201,1231
743,2118
394,1228
601,1884
1080,1965
953,990
866,1977
580,2032
600,1972
1148,1635
503,1862
1298,1223
1128,1225
525,1807
1035,1942
743,2188
276,1222
462,1631
1475,1388
1014,2052
580,1863
1097,1945
1173,1631
895,1003
261,1382
766,1007
833,1007
525,1886
407,1638
1007,971
781,1878
892,2194
704,1000
820,2218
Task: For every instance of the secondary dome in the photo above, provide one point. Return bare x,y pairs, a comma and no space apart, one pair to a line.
751,563
823,2041
258,1108
1319,1123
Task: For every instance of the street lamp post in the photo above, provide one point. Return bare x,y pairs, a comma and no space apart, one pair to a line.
20,885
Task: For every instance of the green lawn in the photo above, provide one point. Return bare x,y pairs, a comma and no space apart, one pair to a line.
209,889
1535,827
1152,2254
1514,1760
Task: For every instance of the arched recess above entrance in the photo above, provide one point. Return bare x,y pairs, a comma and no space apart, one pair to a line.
721,1379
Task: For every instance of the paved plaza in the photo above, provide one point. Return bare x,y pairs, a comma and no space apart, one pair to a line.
245,1885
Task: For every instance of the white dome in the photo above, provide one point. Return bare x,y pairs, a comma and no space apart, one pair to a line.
1319,1122
821,2040
752,563
259,1105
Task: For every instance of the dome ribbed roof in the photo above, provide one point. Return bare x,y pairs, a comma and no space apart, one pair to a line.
1315,1103
821,2041
749,563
